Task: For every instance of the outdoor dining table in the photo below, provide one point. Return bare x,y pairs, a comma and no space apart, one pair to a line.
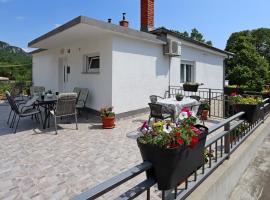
48,104
177,106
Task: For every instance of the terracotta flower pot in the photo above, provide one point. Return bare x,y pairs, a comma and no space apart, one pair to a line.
204,115
108,122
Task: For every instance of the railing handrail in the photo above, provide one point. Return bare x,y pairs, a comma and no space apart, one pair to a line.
200,88
114,182
224,122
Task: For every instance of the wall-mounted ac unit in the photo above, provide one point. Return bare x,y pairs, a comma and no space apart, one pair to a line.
172,48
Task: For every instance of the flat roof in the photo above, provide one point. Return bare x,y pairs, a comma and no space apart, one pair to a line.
202,44
101,25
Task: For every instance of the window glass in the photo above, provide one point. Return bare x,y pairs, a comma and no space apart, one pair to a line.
92,64
187,73
182,75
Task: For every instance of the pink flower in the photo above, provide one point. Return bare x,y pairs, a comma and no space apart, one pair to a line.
195,130
233,94
145,125
185,109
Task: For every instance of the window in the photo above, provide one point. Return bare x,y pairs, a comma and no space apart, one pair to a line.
91,63
187,72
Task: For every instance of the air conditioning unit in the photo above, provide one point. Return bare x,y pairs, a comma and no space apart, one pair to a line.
172,48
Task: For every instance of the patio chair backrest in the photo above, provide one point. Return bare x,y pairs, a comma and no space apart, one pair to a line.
16,90
197,98
77,90
66,104
82,97
12,103
36,90
155,110
153,98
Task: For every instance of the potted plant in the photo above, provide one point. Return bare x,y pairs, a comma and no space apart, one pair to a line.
233,89
176,150
108,117
179,97
205,107
190,86
266,92
249,104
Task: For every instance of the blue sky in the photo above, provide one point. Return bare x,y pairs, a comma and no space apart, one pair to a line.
23,20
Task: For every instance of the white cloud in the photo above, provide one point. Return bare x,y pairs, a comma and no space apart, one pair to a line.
57,25
19,17
26,49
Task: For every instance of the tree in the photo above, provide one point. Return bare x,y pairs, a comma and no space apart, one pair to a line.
195,35
247,60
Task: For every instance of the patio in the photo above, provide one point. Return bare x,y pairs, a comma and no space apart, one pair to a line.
37,164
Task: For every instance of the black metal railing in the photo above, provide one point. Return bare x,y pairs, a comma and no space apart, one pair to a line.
218,148
215,98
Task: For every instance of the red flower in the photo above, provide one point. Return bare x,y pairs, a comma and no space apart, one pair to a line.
173,145
177,134
180,141
195,130
193,142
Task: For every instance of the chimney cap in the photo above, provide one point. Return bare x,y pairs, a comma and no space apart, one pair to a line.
124,16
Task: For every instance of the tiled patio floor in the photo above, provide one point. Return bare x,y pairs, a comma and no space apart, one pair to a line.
37,164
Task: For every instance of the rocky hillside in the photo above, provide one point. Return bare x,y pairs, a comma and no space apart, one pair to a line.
10,55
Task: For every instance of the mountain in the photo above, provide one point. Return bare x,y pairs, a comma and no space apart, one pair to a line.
10,55
15,63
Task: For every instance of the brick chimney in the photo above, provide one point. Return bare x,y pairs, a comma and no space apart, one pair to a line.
147,15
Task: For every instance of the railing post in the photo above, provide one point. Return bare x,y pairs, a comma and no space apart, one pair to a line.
210,96
227,141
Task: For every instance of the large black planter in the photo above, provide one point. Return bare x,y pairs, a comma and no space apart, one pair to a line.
266,95
229,90
252,112
173,166
191,88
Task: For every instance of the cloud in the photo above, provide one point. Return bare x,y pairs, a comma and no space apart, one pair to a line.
4,1
19,17
57,25
26,49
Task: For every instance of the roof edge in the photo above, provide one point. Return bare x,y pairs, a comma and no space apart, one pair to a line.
59,29
37,51
100,24
202,44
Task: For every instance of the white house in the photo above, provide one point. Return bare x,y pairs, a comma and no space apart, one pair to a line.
122,66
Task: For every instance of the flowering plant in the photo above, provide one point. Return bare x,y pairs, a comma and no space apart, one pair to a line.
107,112
172,135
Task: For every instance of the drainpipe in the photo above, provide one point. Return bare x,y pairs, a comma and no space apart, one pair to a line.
169,87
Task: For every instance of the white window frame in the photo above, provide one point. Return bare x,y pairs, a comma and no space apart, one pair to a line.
87,65
193,75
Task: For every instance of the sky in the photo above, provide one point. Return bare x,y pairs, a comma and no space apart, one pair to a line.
24,20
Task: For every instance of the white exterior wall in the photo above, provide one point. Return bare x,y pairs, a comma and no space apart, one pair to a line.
45,70
209,68
139,70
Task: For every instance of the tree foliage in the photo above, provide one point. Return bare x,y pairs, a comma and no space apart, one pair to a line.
251,48
195,35
15,63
